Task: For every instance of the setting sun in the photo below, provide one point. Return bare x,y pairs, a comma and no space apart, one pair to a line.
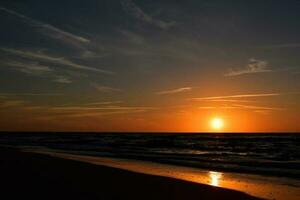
217,123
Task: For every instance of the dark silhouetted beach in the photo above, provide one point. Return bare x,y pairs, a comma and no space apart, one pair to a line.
27,175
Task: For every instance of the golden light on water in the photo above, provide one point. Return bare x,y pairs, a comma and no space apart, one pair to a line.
215,178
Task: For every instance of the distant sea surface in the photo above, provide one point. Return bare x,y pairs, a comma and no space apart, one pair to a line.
257,153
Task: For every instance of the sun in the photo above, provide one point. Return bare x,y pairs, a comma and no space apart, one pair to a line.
217,123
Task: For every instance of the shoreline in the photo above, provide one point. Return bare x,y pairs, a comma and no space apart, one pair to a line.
265,187
38,176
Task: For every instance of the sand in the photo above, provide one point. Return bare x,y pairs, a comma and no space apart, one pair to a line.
26,175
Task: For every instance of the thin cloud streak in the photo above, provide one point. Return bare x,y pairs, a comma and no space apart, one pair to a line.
33,68
48,29
74,108
217,107
62,79
11,103
106,89
55,60
207,107
101,103
131,8
254,66
30,94
281,46
178,90
238,96
80,110
82,44
96,114
36,69
86,111
231,100
246,107
258,107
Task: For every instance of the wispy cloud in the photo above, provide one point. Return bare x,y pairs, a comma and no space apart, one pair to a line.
40,56
36,69
254,66
97,114
243,107
33,68
62,79
49,30
29,94
103,103
100,103
11,103
238,96
217,107
89,109
82,45
133,37
174,91
73,108
263,112
252,107
131,8
85,110
207,107
281,46
106,89
230,100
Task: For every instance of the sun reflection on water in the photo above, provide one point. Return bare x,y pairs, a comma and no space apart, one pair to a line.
215,178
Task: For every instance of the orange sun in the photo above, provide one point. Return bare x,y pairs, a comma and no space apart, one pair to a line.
217,123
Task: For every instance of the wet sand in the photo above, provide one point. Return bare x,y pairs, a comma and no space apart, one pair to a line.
27,175
266,187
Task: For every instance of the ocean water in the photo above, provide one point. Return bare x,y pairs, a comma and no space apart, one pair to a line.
258,153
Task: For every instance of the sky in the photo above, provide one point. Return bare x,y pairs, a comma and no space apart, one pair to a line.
149,65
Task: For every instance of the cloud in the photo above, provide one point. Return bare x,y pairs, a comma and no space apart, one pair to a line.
81,44
246,107
62,79
230,100
101,103
238,96
132,9
29,94
207,107
263,112
89,109
95,114
254,66
84,110
76,108
40,56
106,89
49,30
281,46
217,107
133,37
11,103
33,68
178,90
257,107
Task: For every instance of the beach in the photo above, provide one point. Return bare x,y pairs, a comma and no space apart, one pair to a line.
38,176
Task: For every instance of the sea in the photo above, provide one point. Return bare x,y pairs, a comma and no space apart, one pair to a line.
254,153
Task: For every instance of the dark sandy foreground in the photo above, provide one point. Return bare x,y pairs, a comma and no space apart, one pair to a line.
34,176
